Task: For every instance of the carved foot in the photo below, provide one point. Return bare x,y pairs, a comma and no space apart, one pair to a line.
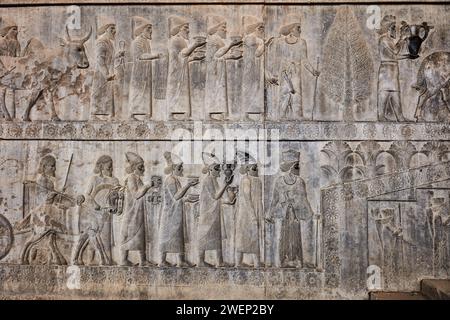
204,264
225,265
78,263
55,118
126,263
290,264
185,264
243,265
165,264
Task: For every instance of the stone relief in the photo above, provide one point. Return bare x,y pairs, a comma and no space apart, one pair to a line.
152,218
362,117
126,78
40,70
292,210
140,96
172,232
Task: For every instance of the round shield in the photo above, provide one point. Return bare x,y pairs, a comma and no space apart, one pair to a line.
6,237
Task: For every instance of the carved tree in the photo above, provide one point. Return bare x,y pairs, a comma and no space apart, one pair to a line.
369,152
340,162
347,70
436,151
402,151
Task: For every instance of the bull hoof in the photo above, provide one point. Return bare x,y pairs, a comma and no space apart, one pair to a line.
55,118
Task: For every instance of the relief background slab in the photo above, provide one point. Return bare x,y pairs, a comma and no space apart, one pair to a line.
351,163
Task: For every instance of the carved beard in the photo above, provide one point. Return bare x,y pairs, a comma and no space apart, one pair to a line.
147,36
291,39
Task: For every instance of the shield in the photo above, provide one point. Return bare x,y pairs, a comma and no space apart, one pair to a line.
6,237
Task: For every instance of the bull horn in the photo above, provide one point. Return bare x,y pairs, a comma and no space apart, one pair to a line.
67,34
86,38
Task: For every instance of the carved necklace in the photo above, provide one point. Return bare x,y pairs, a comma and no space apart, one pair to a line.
291,39
290,184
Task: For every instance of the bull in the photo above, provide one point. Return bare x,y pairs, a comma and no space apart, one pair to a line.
41,70
433,80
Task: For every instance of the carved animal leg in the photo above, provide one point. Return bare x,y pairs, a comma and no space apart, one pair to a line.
96,242
445,96
78,252
60,260
3,109
35,95
424,96
48,96
107,258
26,253
25,256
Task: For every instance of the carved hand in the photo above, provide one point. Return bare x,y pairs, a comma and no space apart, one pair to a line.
80,200
192,183
145,56
236,42
228,180
199,42
192,198
270,220
269,41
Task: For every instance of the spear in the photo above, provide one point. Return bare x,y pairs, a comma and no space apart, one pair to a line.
67,173
315,91
317,237
401,239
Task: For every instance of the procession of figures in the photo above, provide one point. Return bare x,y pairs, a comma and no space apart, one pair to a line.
228,215
264,77
91,118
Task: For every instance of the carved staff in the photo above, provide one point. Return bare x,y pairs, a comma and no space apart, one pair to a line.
317,236
67,173
315,91
7,72
401,238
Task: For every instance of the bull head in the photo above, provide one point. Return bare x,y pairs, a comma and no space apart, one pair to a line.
75,51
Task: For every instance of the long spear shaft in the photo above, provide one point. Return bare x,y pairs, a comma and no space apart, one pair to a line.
67,173
315,91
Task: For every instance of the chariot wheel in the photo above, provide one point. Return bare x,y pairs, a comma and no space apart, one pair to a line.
6,237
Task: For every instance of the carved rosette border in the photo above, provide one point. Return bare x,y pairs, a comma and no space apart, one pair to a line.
163,130
333,199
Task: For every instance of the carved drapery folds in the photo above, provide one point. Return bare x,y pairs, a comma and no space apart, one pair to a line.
219,67
336,134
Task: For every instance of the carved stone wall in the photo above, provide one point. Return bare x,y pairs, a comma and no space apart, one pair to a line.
253,150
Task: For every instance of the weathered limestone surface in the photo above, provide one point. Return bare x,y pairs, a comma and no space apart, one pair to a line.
254,149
